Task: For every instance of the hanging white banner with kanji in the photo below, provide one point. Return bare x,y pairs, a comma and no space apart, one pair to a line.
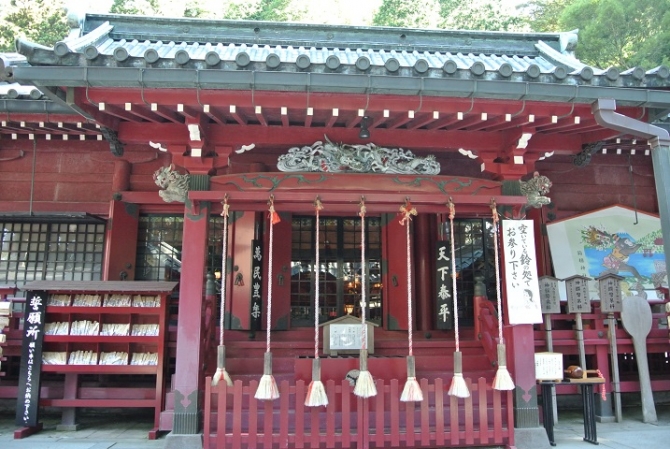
520,268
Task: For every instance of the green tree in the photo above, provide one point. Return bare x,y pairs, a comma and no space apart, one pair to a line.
195,9
491,15
617,33
40,21
407,13
270,10
140,7
486,15
544,15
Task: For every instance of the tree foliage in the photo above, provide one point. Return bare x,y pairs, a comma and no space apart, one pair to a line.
408,13
41,21
543,15
139,7
487,15
270,10
618,33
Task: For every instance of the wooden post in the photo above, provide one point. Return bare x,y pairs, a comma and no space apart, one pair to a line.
551,303
188,372
610,301
119,265
611,333
577,290
423,262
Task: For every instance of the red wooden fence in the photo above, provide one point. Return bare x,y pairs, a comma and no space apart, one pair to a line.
484,419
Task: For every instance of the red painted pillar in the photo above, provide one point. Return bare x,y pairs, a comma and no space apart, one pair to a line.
121,177
239,304
188,373
394,252
520,344
423,263
120,242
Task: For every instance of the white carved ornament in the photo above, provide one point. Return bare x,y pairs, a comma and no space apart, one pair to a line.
345,158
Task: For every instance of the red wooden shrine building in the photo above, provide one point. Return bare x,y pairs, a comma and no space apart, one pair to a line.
259,112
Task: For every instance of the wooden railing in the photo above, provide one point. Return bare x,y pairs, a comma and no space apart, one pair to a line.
487,327
483,419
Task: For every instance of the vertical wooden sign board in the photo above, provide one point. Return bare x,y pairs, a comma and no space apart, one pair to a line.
443,286
577,290
549,298
256,285
610,293
28,398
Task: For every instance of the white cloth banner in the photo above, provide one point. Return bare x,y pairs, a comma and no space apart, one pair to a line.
521,282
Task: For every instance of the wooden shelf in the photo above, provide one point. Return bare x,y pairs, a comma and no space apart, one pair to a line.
102,339
68,292
101,369
105,310
116,403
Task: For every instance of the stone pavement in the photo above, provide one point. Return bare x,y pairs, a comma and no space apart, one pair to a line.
117,429
128,429
631,433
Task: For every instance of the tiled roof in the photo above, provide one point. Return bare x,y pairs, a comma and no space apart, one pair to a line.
15,90
136,42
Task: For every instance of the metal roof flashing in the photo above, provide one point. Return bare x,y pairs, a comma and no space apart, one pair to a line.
190,30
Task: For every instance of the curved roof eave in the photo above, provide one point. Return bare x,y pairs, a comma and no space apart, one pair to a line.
128,77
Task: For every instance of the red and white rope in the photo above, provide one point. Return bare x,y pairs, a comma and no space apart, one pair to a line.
409,291
452,213
407,211
364,333
224,265
497,269
317,269
271,245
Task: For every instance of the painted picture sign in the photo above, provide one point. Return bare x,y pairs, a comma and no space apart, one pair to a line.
523,291
615,240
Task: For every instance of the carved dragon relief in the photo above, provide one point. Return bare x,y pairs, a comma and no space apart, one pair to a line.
345,158
173,183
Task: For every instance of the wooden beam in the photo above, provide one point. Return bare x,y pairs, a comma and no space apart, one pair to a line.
297,201
166,113
560,125
213,114
236,115
308,117
333,118
401,120
143,113
465,122
354,121
443,122
380,119
430,118
259,115
284,116
187,111
486,124
116,111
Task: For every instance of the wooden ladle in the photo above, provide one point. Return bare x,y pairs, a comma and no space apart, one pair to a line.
636,319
